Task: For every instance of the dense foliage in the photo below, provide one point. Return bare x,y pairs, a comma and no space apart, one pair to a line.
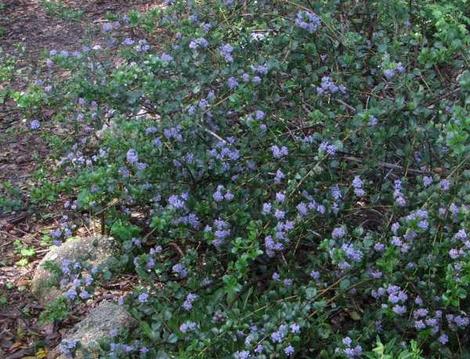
286,178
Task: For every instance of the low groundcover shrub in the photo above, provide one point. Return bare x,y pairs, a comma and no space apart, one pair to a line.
286,178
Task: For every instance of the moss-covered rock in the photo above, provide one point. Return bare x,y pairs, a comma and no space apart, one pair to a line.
96,326
97,250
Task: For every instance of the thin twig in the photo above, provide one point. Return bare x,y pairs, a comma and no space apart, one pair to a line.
178,249
346,105
14,238
388,165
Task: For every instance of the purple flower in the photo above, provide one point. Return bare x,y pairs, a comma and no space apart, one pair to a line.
352,253
398,195
259,349
232,83
279,214
418,301
256,80
207,26
347,341
260,69
136,242
198,43
315,275
76,283
326,147
222,231
241,354
399,309
143,297
389,73
295,328
454,253
353,352
461,235
150,263
107,27
68,346
373,121
308,21
259,115
419,324
443,339
420,312
302,209
84,294
180,269
203,103
427,181
166,57
218,196
35,125
71,294
279,152
445,184
188,327
188,302
88,280
272,245
156,250
176,201
357,183
132,156
267,207
279,335
461,321
256,36
329,87
150,130
338,233
375,274
279,176
226,51
423,224
280,197
128,41
175,132
142,46
289,350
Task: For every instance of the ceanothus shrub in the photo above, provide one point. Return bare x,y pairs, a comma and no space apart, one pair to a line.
287,179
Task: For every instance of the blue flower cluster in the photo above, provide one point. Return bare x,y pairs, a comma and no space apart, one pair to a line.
308,21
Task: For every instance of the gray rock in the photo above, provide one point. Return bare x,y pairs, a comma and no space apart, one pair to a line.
97,251
96,326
